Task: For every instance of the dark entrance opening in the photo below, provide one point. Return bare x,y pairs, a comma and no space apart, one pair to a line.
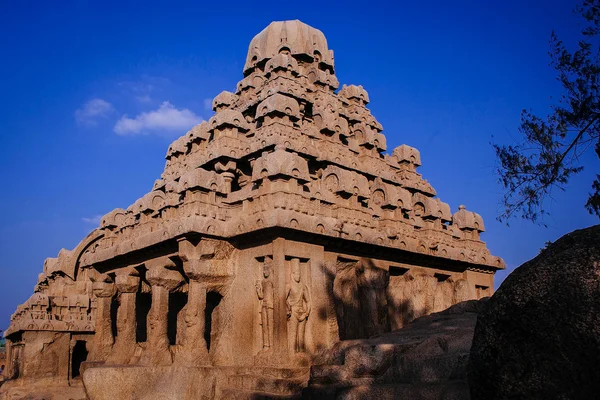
212,301
397,271
114,307
177,301
143,303
79,355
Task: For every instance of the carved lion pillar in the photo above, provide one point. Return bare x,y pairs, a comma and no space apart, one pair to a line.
195,265
163,279
194,345
127,283
104,290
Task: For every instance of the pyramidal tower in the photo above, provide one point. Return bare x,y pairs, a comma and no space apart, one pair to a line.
278,228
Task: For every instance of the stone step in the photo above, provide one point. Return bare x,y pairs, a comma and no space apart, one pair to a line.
450,390
406,370
237,394
268,384
274,372
327,373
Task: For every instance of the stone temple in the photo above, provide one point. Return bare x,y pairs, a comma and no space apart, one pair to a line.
278,228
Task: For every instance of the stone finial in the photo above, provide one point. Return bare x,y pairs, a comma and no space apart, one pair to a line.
279,104
150,202
293,37
223,100
404,199
280,163
228,118
355,93
113,219
50,266
282,62
407,154
467,220
178,147
340,180
328,121
199,132
200,178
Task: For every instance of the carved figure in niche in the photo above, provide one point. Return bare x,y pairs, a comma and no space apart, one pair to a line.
372,284
298,302
264,290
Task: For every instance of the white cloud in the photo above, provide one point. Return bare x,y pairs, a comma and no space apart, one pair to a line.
165,118
144,99
95,220
96,108
208,104
144,89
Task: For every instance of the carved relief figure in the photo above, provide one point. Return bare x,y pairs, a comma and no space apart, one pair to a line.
297,299
264,291
359,290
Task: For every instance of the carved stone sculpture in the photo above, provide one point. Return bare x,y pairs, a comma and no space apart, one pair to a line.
298,302
265,293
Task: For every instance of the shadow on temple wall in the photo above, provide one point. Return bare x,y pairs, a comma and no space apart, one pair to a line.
371,300
357,289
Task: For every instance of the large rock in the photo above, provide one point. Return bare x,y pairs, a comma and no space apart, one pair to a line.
425,360
539,336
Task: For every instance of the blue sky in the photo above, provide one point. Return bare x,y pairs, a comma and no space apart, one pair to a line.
94,92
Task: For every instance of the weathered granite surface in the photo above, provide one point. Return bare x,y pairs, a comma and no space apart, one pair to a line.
539,335
425,360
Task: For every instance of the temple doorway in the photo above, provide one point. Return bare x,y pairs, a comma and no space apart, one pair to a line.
78,356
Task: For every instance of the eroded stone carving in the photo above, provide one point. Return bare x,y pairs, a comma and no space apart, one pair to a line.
266,297
298,303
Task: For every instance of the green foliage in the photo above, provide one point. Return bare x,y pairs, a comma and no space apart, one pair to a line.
546,245
550,151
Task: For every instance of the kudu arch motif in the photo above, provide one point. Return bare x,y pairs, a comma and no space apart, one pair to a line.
277,228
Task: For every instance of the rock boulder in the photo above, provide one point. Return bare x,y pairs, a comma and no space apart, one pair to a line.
427,360
538,337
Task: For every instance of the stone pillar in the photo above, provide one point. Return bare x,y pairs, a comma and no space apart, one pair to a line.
16,361
162,278
194,344
228,177
104,290
196,264
7,373
127,283
158,342
227,171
